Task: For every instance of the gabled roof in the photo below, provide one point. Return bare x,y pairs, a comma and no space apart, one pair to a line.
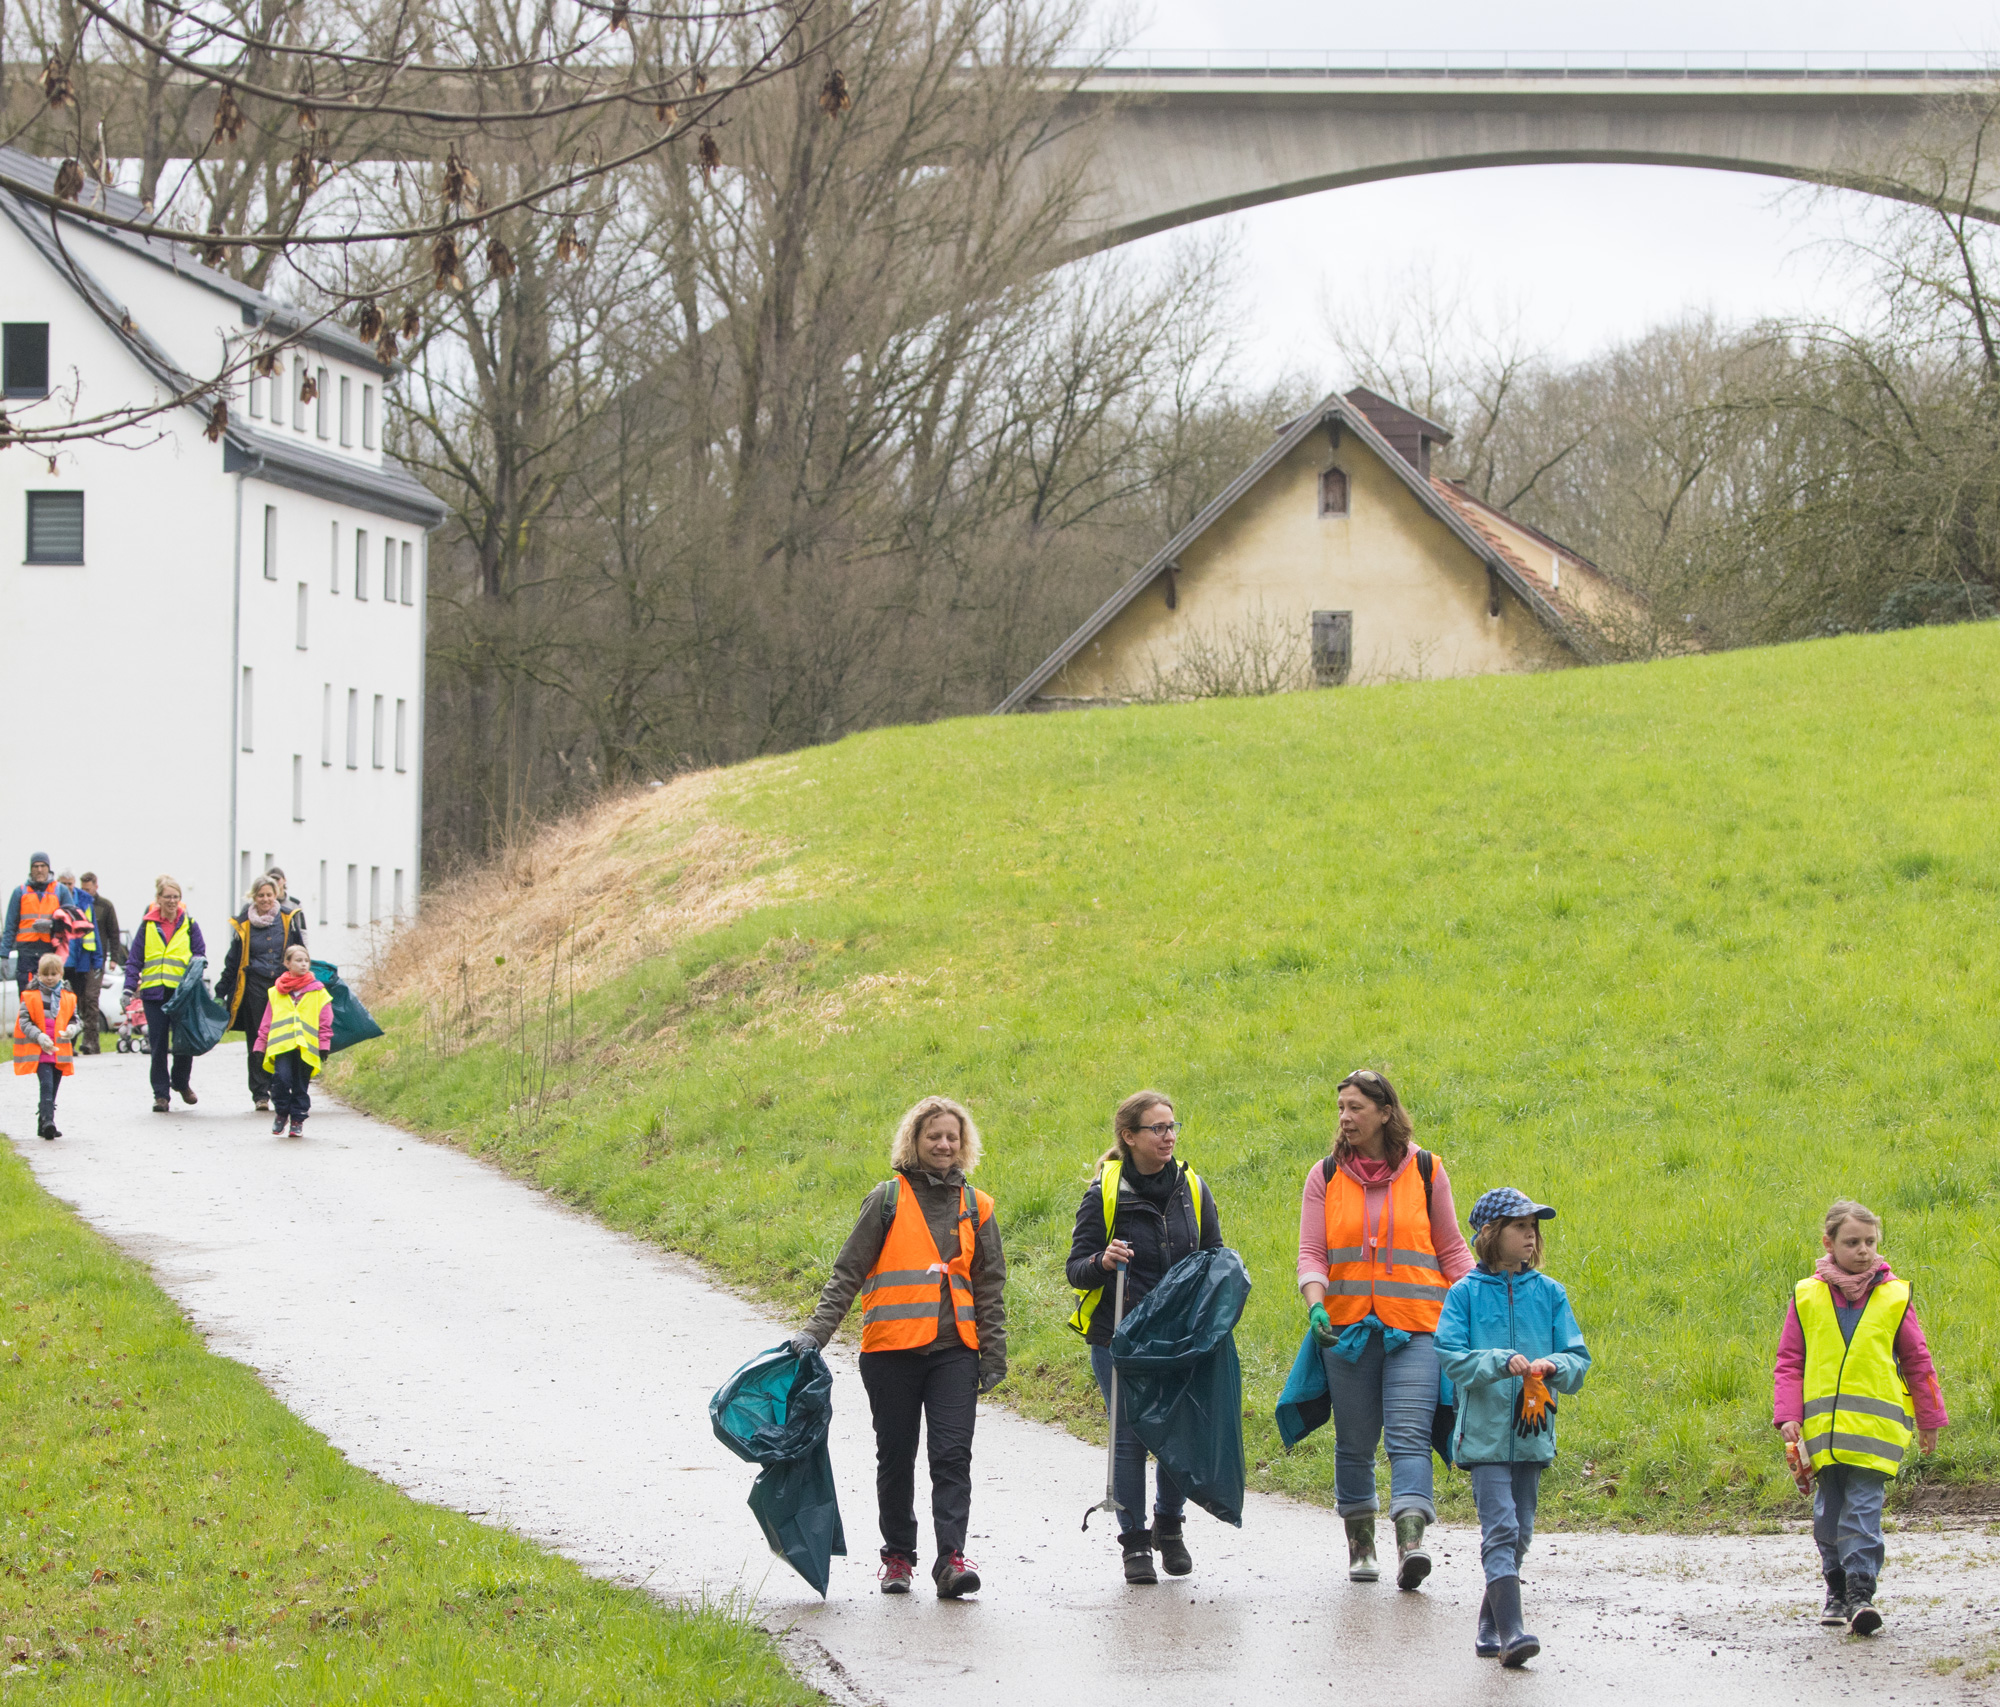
1350,417
1490,521
388,489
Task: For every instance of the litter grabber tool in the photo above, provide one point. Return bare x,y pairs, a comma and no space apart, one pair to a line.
1110,1500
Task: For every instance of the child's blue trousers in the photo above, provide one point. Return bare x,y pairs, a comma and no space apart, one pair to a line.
1847,1519
1506,1496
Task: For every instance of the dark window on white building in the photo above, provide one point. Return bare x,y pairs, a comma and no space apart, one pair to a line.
24,358
1333,492
55,527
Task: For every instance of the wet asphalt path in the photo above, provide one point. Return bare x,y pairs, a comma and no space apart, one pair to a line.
472,1342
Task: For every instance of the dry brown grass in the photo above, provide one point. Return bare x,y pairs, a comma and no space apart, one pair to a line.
599,891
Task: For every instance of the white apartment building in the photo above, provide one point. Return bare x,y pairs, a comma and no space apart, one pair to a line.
216,649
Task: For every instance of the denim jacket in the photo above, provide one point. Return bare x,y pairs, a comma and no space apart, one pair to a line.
1487,1318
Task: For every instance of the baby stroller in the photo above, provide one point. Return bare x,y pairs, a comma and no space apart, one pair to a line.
132,1039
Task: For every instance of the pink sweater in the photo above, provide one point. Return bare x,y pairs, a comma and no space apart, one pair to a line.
1913,1357
1375,1178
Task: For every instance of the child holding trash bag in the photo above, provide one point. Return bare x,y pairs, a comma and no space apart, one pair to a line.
45,1024
1854,1378
1141,1213
1508,1342
925,1260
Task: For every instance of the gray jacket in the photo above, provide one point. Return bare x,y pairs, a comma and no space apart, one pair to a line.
938,1197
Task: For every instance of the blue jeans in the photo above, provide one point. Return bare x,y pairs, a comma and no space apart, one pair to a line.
1128,1463
1847,1519
1506,1496
1389,1398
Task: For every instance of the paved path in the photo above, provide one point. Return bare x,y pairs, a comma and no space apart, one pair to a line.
472,1342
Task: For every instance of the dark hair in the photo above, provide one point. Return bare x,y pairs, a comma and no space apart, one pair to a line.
1486,1237
1396,1129
88,877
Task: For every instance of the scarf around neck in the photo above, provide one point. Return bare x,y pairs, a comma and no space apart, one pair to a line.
292,983
263,921
1853,1287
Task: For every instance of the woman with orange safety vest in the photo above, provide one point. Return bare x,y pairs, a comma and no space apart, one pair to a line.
1379,1247
925,1260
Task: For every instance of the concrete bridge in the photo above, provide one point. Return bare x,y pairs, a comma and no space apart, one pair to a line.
1172,143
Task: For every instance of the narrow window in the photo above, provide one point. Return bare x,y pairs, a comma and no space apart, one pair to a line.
402,733
55,527
333,575
303,590
322,891
388,571
259,388
398,910
24,359
249,683
1492,592
270,542
299,398
374,894
326,729
243,873
298,788
353,729
270,859
1333,493
346,411
409,574
1332,647
322,406
353,896
361,563
368,417
375,737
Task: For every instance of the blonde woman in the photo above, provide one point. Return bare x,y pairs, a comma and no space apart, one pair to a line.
1143,1212
925,1260
166,940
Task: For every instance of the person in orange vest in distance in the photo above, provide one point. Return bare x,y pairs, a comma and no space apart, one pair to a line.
926,1262
1379,1247
43,1029
30,930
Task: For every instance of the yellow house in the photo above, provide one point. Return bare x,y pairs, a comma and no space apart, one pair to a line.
1337,556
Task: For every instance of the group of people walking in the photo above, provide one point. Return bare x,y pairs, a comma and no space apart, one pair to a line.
62,936
1426,1346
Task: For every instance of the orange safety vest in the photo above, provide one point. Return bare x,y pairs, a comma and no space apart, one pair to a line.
1395,1274
899,1299
27,1053
38,914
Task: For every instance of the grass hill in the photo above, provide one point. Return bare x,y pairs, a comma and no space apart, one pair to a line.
1686,949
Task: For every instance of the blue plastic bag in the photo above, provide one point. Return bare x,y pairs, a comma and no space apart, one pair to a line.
775,1411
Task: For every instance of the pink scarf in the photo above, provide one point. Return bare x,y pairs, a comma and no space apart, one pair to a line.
263,921
1853,1287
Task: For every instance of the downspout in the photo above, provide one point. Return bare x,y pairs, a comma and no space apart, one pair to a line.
235,695
423,660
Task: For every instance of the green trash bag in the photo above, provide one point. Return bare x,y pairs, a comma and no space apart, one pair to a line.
1180,1384
775,1411
352,1023
199,1020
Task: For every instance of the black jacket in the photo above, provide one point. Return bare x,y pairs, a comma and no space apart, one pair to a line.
1159,1239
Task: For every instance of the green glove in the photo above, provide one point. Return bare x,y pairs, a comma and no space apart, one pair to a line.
1322,1325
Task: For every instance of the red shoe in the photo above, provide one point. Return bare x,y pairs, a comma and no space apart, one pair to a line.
895,1573
955,1576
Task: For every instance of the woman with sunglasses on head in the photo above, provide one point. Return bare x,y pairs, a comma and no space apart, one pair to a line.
1379,1247
1144,1212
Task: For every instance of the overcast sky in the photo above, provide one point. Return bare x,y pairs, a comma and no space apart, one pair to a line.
1608,250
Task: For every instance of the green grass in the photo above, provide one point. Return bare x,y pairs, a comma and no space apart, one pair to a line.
1686,949
172,1533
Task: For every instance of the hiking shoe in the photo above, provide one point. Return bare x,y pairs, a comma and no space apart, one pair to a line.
896,1573
298,1127
161,1105
263,1105
955,1576
1413,1564
1138,1546
1174,1556
186,1093
1834,1613
1862,1618
278,1127
1361,1566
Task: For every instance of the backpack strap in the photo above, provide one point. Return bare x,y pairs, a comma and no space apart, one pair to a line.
891,1201
1326,1171
1426,1162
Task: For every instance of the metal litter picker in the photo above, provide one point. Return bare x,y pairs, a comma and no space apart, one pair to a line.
1110,1500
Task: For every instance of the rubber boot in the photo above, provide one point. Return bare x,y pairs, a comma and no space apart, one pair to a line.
1834,1613
1361,1566
1138,1545
1517,1647
1413,1564
1862,1618
1174,1555
1487,1643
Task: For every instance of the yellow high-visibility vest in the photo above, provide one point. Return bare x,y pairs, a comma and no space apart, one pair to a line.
1087,1302
1858,1409
295,1025
164,960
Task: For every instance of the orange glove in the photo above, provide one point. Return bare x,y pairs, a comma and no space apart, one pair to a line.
1535,1409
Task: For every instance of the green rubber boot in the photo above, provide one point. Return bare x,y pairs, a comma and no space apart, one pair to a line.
1361,1566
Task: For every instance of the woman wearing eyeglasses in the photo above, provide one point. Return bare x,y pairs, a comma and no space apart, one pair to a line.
1144,1211
1379,1247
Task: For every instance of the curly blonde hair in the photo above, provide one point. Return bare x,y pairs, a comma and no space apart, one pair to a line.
903,1147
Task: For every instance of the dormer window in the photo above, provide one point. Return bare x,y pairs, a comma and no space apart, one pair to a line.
1333,492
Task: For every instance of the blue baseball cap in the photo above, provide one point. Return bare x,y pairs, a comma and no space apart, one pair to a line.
1504,1203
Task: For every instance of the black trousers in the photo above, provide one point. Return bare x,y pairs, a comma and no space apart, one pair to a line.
88,986
249,1016
291,1086
48,1079
159,1037
939,1391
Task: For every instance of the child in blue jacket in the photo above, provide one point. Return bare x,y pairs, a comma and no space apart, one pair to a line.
1506,1339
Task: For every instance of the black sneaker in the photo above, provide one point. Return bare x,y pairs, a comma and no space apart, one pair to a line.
1834,1614
298,1128
278,1127
1862,1618
955,1577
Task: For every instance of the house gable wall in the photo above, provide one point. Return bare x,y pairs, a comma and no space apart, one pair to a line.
1419,595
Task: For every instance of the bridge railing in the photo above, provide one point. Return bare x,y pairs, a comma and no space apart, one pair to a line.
1543,62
